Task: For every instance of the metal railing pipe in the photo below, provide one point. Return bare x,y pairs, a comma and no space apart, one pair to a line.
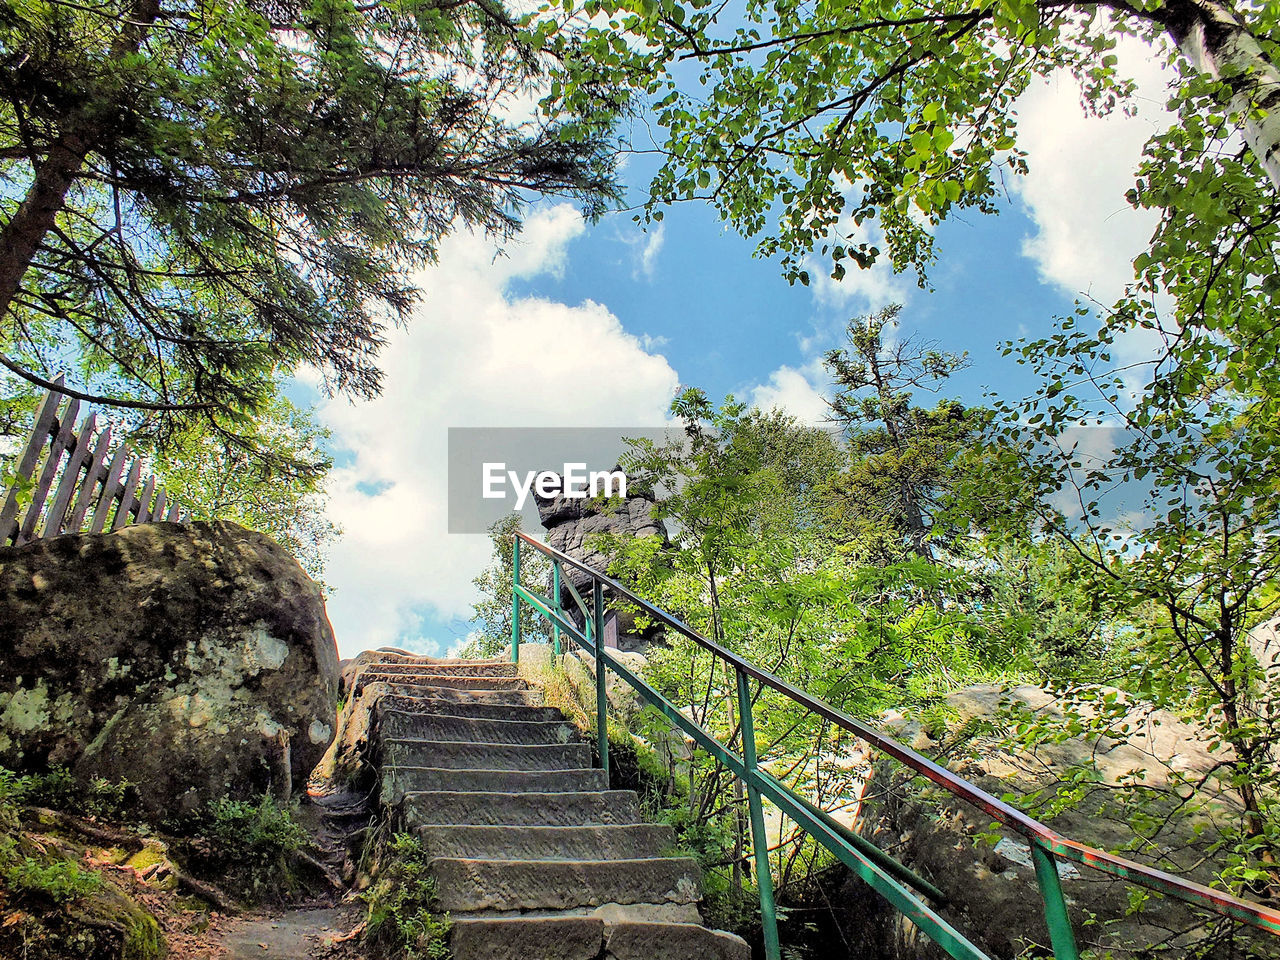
1036,833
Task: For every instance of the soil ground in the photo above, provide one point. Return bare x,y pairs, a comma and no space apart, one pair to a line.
299,933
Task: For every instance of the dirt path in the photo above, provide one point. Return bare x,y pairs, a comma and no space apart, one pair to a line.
295,934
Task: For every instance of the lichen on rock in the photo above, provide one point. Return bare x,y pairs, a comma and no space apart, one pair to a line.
196,660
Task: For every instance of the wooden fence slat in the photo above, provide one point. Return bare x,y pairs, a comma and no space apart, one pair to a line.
144,505
27,463
77,481
92,475
61,439
128,500
110,489
55,518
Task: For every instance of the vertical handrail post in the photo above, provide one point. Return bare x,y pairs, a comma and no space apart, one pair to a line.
555,600
602,696
759,839
1061,937
515,601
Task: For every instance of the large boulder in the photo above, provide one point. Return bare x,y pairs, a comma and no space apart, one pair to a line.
195,660
1148,767
573,527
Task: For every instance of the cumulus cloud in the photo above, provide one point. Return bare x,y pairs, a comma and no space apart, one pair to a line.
798,391
649,252
472,356
1081,166
859,290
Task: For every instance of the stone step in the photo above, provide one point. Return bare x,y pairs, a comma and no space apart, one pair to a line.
409,702
579,808
463,699
456,755
398,725
452,668
588,938
464,885
633,841
399,656
434,680
611,912
397,781
669,941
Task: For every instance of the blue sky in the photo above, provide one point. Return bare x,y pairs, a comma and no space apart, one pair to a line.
597,325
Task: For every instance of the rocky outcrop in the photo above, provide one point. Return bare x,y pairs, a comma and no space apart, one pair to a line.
992,891
573,527
194,660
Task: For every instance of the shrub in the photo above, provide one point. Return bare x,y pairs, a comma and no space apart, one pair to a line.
400,923
60,880
248,847
59,790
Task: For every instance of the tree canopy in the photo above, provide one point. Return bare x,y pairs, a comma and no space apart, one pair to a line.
811,124
201,197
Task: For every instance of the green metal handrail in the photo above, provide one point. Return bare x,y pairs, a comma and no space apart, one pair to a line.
887,876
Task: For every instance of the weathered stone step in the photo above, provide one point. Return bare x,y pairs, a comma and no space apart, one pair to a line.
398,725
433,680
611,912
632,841
463,699
397,781
452,668
588,938
463,885
579,808
399,656
457,755
474,709
660,941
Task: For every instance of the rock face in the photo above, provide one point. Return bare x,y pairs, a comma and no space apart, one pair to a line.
194,660
994,898
570,525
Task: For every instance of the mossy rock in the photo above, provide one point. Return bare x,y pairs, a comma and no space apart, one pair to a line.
102,922
155,854
106,925
195,657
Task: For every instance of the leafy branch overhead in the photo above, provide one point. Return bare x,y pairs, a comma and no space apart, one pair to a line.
200,198
843,133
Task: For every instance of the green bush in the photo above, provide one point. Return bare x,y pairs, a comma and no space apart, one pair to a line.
60,880
400,923
258,833
247,847
59,790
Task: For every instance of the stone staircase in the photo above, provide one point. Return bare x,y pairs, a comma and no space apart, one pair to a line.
534,857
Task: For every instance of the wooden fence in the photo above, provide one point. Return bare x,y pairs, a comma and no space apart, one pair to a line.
93,487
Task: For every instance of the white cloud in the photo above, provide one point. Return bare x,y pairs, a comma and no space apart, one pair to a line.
859,290
472,356
797,391
1081,166
652,247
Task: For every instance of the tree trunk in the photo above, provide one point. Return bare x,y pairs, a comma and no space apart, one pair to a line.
21,237
917,531
1246,754
1214,38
